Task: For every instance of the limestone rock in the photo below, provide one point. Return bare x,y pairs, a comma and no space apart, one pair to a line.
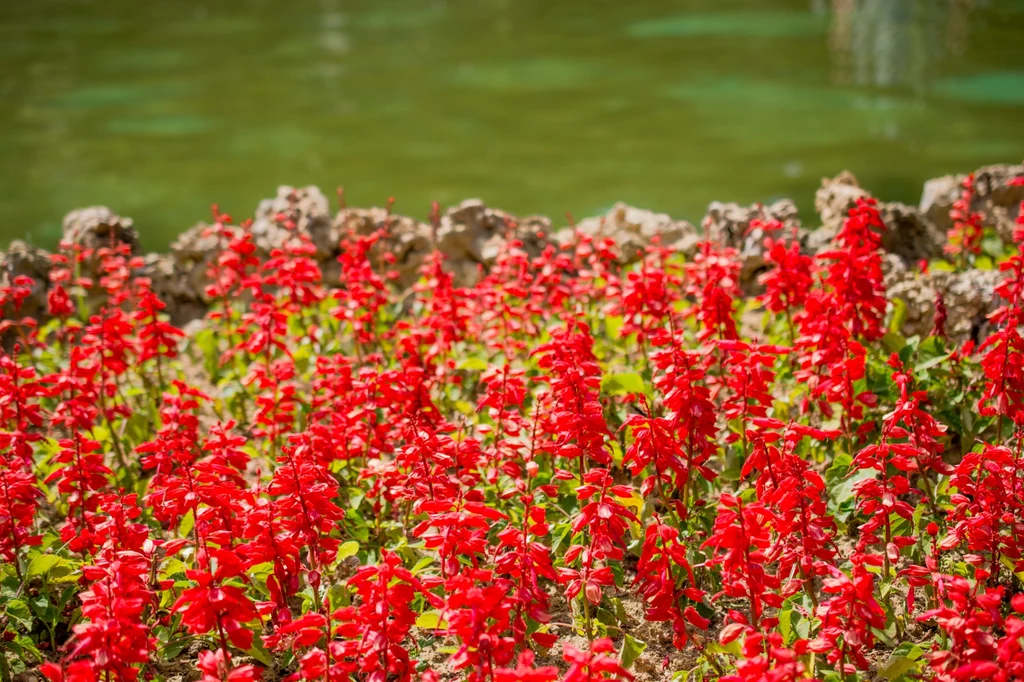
969,297
910,235
938,197
97,226
191,254
306,208
23,259
181,293
729,226
995,196
835,198
632,229
408,240
472,235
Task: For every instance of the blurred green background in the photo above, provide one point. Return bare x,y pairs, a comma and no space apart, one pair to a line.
160,108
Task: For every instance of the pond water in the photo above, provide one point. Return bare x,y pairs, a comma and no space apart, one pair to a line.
160,108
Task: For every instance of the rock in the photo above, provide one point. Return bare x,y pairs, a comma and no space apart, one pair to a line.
729,226
191,254
632,229
994,197
179,290
97,226
472,234
910,235
835,198
969,297
728,223
938,197
894,270
94,228
997,198
307,209
816,240
23,259
408,240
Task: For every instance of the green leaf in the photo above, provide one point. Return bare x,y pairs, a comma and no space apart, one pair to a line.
20,613
631,650
621,384
347,549
899,314
44,563
733,648
613,326
473,364
928,364
261,570
559,538
893,342
431,620
259,652
187,523
174,647
897,666
786,623
421,564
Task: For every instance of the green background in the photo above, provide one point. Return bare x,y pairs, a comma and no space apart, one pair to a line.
159,109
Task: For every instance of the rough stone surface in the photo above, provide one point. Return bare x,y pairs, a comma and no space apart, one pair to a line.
729,225
178,289
307,208
968,296
93,227
472,235
408,241
909,233
997,198
937,199
835,198
994,197
632,229
191,253
23,259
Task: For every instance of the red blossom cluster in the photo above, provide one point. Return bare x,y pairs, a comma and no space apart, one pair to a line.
331,479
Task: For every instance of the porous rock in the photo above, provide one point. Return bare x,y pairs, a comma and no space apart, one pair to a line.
307,211
407,240
996,196
98,226
190,256
23,259
969,297
835,198
182,295
471,236
909,233
728,224
291,211
937,199
632,229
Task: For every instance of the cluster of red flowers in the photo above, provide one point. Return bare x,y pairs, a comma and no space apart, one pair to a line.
333,480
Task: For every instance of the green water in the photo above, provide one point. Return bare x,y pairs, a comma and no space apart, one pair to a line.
159,109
